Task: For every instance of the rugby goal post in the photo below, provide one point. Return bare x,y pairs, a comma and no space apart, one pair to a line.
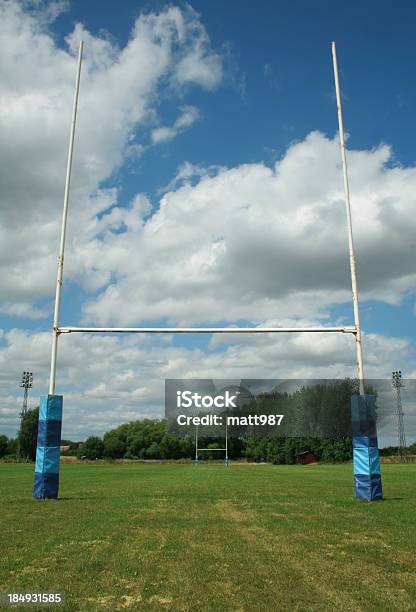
50,416
198,449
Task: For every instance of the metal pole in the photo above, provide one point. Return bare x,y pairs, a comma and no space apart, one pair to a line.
25,400
360,367
196,444
22,415
226,441
63,229
203,330
401,437
400,428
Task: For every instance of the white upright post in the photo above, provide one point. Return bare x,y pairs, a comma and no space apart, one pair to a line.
196,444
63,230
359,351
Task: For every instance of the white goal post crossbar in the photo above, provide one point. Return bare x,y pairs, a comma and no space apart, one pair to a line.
203,330
58,330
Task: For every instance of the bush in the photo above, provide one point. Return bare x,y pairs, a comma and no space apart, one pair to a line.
4,445
92,448
12,447
115,443
28,434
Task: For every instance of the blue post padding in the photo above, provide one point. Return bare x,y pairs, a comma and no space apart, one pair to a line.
376,488
374,461
368,487
50,408
361,461
365,459
364,441
46,486
49,433
363,415
47,459
367,477
48,447
362,488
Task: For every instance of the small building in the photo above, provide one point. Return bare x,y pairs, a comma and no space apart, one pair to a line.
306,458
65,448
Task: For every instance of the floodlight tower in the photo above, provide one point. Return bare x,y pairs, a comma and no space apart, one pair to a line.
401,438
26,383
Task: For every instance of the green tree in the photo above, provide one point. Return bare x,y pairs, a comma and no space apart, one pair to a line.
153,451
93,448
28,434
4,445
174,448
143,435
12,445
115,442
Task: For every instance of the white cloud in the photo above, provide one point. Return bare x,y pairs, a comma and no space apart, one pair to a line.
188,116
199,65
266,244
23,310
253,241
108,380
224,244
120,89
189,173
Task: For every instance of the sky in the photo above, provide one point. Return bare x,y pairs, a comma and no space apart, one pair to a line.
206,190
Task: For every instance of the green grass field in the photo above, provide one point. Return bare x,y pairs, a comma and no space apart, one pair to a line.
185,537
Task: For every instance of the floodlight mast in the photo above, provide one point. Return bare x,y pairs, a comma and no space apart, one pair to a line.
26,383
358,345
63,229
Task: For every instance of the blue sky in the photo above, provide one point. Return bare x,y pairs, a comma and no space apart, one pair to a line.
240,119
376,48
281,82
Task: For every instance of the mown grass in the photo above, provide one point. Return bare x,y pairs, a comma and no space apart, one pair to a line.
185,537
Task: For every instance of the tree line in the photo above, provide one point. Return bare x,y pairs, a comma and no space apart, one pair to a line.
319,416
